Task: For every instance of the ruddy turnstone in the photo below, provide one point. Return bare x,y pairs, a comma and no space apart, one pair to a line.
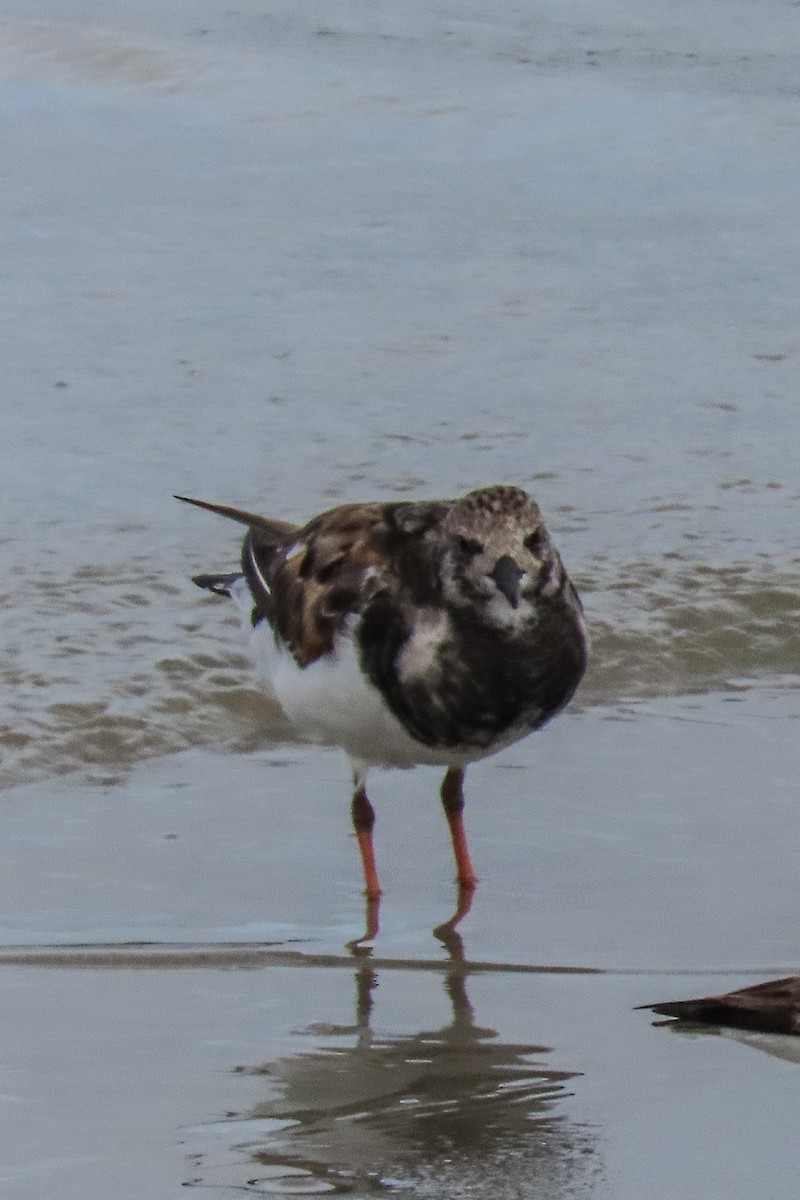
413,632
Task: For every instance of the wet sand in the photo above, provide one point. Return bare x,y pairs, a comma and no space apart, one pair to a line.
289,256
184,1007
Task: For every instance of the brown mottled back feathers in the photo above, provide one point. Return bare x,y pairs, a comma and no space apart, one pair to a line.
332,567
319,576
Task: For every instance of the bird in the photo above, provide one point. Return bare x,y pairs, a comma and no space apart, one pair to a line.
772,1007
410,632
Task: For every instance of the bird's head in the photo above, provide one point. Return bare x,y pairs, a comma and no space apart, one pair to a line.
497,554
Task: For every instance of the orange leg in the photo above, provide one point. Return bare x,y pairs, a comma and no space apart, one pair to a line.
453,802
364,823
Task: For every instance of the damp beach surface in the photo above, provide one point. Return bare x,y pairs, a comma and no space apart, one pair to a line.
288,256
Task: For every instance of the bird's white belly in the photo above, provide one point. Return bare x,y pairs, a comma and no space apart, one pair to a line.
332,701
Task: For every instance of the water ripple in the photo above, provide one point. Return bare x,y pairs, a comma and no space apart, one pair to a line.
112,664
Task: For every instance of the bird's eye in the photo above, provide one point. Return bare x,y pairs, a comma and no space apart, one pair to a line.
469,546
535,540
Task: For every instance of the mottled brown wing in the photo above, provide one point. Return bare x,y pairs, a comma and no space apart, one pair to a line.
335,565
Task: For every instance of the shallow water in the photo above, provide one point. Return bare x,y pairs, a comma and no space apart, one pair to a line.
184,1005
287,258
278,262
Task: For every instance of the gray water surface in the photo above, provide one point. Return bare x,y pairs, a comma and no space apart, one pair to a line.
288,256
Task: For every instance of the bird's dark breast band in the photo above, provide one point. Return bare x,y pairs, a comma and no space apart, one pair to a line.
486,682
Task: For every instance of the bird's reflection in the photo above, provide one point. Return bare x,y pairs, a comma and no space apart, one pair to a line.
464,898
446,1109
777,1045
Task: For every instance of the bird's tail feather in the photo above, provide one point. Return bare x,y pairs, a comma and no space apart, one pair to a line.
270,528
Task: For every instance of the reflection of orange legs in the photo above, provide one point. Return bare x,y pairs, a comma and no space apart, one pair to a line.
371,914
364,823
359,946
446,932
453,802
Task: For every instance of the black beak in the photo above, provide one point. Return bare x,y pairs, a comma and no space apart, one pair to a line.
507,573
